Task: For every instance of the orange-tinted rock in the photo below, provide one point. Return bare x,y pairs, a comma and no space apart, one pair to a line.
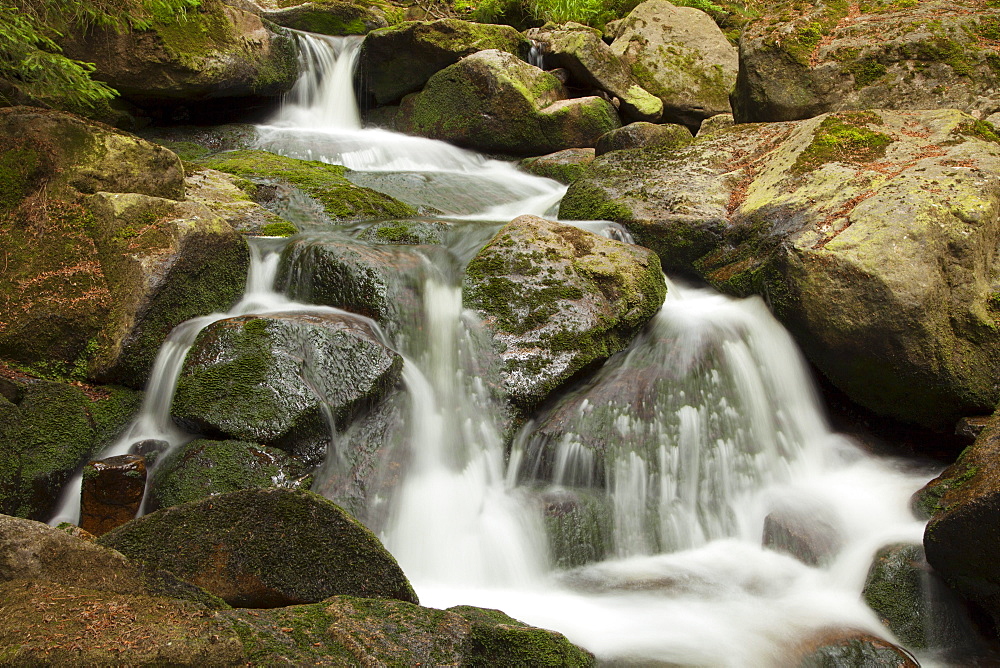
112,492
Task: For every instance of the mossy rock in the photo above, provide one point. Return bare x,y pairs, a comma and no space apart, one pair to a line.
557,298
329,18
644,135
399,60
896,589
806,60
846,647
47,431
563,166
406,232
230,197
228,544
341,199
274,379
202,468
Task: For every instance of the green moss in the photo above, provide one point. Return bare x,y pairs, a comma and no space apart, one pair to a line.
843,137
865,72
498,639
979,130
942,49
988,27
17,169
341,199
585,200
894,590
279,229
196,33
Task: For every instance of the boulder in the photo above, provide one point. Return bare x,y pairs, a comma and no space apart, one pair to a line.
564,166
681,56
897,589
557,298
230,198
47,431
492,101
399,60
715,123
848,647
265,549
578,526
340,199
641,135
909,55
811,535
275,379
213,50
328,17
203,468
407,232
593,65
807,214
112,492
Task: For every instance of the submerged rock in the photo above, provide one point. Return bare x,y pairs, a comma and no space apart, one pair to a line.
112,492
230,545
906,55
806,214
897,590
274,379
399,60
492,101
808,534
557,298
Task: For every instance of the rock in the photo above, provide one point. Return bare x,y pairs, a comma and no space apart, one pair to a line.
971,427
341,199
203,468
112,492
557,299
274,379
399,60
806,214
329,18
593,64
406,232
714,124
229,545
492,101
344,630
640,135
811,535
926,55
211,51
563,166
895,589
231,198
681,56
578,525
45,436
847,647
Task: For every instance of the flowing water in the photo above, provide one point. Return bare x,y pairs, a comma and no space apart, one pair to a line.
628,514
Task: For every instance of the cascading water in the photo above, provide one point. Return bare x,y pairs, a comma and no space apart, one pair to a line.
670,458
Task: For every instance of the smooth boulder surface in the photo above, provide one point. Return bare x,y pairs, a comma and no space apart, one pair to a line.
231,546
872,236
564,166
919,55
644,135
681,56
399,60
328,18
492,101
895,589
848,647
557,298
273,379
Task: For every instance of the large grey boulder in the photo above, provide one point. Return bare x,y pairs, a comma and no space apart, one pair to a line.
873,236
920,55
328,18
681,56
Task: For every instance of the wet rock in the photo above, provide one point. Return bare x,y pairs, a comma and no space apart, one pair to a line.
399,60
228,545
328,18
592,64
45,437
231,198
112,492
681,56
897,590
557,298
578,524
811,535
149,448
846,647
406,232
925,55
805,214
492,101
563,166
275,379
203,468
640,135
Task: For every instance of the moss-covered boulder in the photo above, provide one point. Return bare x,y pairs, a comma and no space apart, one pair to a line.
280,379
848,647
406,232
872,235
47,431
644,135
804,60
340,199
558,298
593,65
328,17
202,468
399,60
563,166
897,590
213,50
492,101
681,56
265,548
231,198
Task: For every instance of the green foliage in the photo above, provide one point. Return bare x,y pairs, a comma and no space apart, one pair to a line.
32,66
